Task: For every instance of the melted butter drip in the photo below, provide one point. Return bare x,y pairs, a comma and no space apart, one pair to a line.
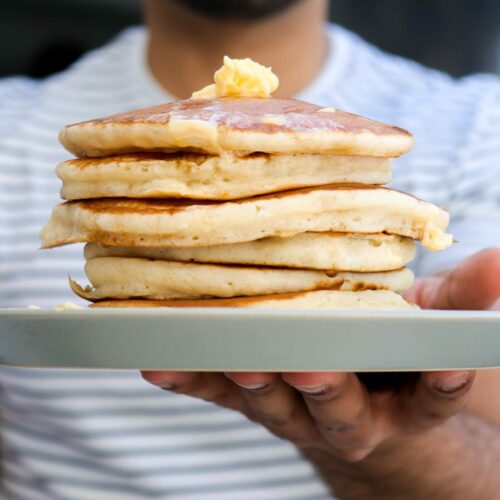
193,133
435,239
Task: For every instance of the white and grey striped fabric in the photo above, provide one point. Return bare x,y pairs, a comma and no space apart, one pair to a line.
87,434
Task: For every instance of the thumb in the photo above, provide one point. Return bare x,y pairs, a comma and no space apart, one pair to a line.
472,284
423,292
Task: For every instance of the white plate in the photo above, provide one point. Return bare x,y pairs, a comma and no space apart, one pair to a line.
246,339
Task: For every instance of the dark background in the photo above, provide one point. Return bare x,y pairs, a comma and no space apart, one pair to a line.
39,37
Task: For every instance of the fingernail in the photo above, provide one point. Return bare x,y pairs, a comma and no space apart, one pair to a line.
253,387
452,383
312,389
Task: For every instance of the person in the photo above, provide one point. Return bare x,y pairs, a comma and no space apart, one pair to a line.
77,434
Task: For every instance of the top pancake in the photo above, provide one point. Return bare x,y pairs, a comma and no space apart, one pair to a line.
241,125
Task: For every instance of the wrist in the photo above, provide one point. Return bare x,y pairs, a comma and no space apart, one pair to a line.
411,464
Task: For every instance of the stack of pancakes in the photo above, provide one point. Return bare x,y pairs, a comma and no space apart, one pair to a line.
242,202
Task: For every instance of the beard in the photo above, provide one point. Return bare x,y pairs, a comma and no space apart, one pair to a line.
237,9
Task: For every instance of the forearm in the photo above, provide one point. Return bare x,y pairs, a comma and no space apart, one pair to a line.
456,460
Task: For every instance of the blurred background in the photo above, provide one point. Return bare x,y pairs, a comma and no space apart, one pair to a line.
38,38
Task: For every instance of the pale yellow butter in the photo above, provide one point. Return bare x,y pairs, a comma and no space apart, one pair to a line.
240,78
207,92
435,239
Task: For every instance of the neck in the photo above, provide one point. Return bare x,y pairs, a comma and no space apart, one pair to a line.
186,48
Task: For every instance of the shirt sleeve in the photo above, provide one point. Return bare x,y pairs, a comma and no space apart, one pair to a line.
475,194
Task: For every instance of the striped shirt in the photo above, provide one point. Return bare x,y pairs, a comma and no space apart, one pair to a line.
85,435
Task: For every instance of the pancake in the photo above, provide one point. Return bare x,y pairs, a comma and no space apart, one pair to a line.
180,223
242,125
344,252
197,176
124,278
324,299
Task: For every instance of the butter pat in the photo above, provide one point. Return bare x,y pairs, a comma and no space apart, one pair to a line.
208,92
240,78
435,239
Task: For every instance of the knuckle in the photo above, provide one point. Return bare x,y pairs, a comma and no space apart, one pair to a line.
268,418
338,428
352,422
288,420
295,433
347,438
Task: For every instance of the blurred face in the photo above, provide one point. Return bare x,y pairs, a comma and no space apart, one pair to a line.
237,9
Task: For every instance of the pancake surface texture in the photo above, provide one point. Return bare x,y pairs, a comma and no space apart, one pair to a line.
180,223
323,299
123,278
197,176
346,252
242,125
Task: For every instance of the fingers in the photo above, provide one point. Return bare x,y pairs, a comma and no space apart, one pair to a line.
252,380
340,407
438,396
472,284
213,387
263,397
423,292
331,411
277,406
496,305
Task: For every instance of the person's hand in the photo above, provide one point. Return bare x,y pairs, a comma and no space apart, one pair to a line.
343,414
472,284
